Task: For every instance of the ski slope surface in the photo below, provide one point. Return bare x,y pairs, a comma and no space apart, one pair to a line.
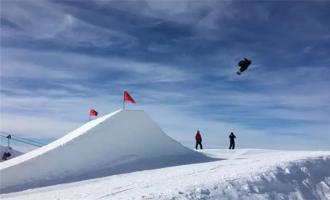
120,142
237,175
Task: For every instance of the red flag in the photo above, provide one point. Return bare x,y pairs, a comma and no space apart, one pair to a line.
128,97
92,112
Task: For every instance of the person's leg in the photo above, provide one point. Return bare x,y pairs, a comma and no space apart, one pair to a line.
233,145
196,145
201,145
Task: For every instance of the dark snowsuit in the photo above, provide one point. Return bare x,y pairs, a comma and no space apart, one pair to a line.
232,140
243,64
198,138
6,155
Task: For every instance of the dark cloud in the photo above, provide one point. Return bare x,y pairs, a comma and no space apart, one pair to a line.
6,23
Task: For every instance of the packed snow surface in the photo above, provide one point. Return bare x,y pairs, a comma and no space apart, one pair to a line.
120,142
238,174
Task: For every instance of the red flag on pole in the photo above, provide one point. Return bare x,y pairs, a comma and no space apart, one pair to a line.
92,112
128,97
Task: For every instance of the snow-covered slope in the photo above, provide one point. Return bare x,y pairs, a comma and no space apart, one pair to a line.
14,153
241,175
122,141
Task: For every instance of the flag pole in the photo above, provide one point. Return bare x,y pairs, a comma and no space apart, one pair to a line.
124,101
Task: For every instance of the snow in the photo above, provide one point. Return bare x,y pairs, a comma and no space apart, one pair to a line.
125,155
239,174
120,142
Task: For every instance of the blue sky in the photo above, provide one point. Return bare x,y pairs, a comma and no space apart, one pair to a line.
177,59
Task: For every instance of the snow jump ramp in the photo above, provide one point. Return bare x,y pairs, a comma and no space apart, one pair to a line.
120,142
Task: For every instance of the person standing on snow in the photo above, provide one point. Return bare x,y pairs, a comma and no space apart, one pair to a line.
232,140
198,138
6,154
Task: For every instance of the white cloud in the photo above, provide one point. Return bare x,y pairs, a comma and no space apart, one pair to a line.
40,127
20,69
55,117
57,65
45,20
39,19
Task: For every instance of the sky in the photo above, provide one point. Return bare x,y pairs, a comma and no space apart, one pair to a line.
178,60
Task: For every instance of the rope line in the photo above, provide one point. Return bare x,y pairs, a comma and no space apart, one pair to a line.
18,139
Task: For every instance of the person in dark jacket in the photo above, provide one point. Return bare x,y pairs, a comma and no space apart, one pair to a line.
198,138
232,140
243,64
6,154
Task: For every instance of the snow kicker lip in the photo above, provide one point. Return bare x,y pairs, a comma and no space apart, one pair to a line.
120,142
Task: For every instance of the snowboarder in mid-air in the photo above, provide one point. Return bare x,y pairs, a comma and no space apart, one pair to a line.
243,64
232,140
198,138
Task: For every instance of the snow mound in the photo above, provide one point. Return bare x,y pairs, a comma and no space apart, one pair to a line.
122,141
14,153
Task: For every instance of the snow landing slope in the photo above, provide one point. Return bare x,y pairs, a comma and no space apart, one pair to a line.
122,141
244,174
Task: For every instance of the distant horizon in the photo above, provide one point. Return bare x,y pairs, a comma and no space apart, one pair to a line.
189,144
178,60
